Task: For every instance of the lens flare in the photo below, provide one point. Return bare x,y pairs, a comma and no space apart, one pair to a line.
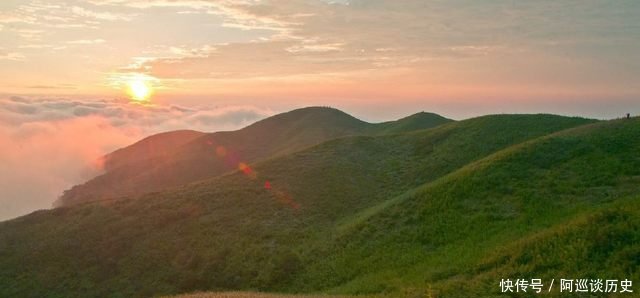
231,159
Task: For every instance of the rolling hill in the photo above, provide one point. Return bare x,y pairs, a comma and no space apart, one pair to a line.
176,158
360,214
560,206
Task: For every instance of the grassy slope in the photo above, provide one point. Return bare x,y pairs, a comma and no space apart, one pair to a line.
231,233
564,206
135,171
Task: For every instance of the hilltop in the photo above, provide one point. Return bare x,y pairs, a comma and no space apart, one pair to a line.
352,215
176,158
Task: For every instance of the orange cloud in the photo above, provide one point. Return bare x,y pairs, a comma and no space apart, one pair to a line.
39,159
49,145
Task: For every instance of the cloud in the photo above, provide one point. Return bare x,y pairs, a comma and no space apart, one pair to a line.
103,16
315,47
40,159
11,56
502,43
87,41
53,87
194,4
51,144
30,21
328,37
237,13
153,118
255,60
315,38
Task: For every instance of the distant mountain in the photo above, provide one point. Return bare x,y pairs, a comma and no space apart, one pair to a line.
394,213
172,159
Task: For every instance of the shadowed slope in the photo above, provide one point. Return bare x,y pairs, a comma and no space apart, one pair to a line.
158,145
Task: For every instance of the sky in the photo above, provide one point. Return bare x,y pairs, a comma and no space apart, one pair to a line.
66,67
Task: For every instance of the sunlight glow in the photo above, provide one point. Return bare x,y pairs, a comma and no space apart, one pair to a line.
139,90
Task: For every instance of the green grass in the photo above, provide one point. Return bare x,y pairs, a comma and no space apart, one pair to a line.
569,202
399,215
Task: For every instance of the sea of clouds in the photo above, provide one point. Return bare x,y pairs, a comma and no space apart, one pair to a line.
50,144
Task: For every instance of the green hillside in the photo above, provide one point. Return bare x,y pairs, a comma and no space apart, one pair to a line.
562,206
303,231
184,158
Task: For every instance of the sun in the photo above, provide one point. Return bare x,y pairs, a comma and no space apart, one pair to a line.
139,90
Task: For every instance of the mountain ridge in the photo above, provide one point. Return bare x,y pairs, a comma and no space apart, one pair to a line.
194,158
